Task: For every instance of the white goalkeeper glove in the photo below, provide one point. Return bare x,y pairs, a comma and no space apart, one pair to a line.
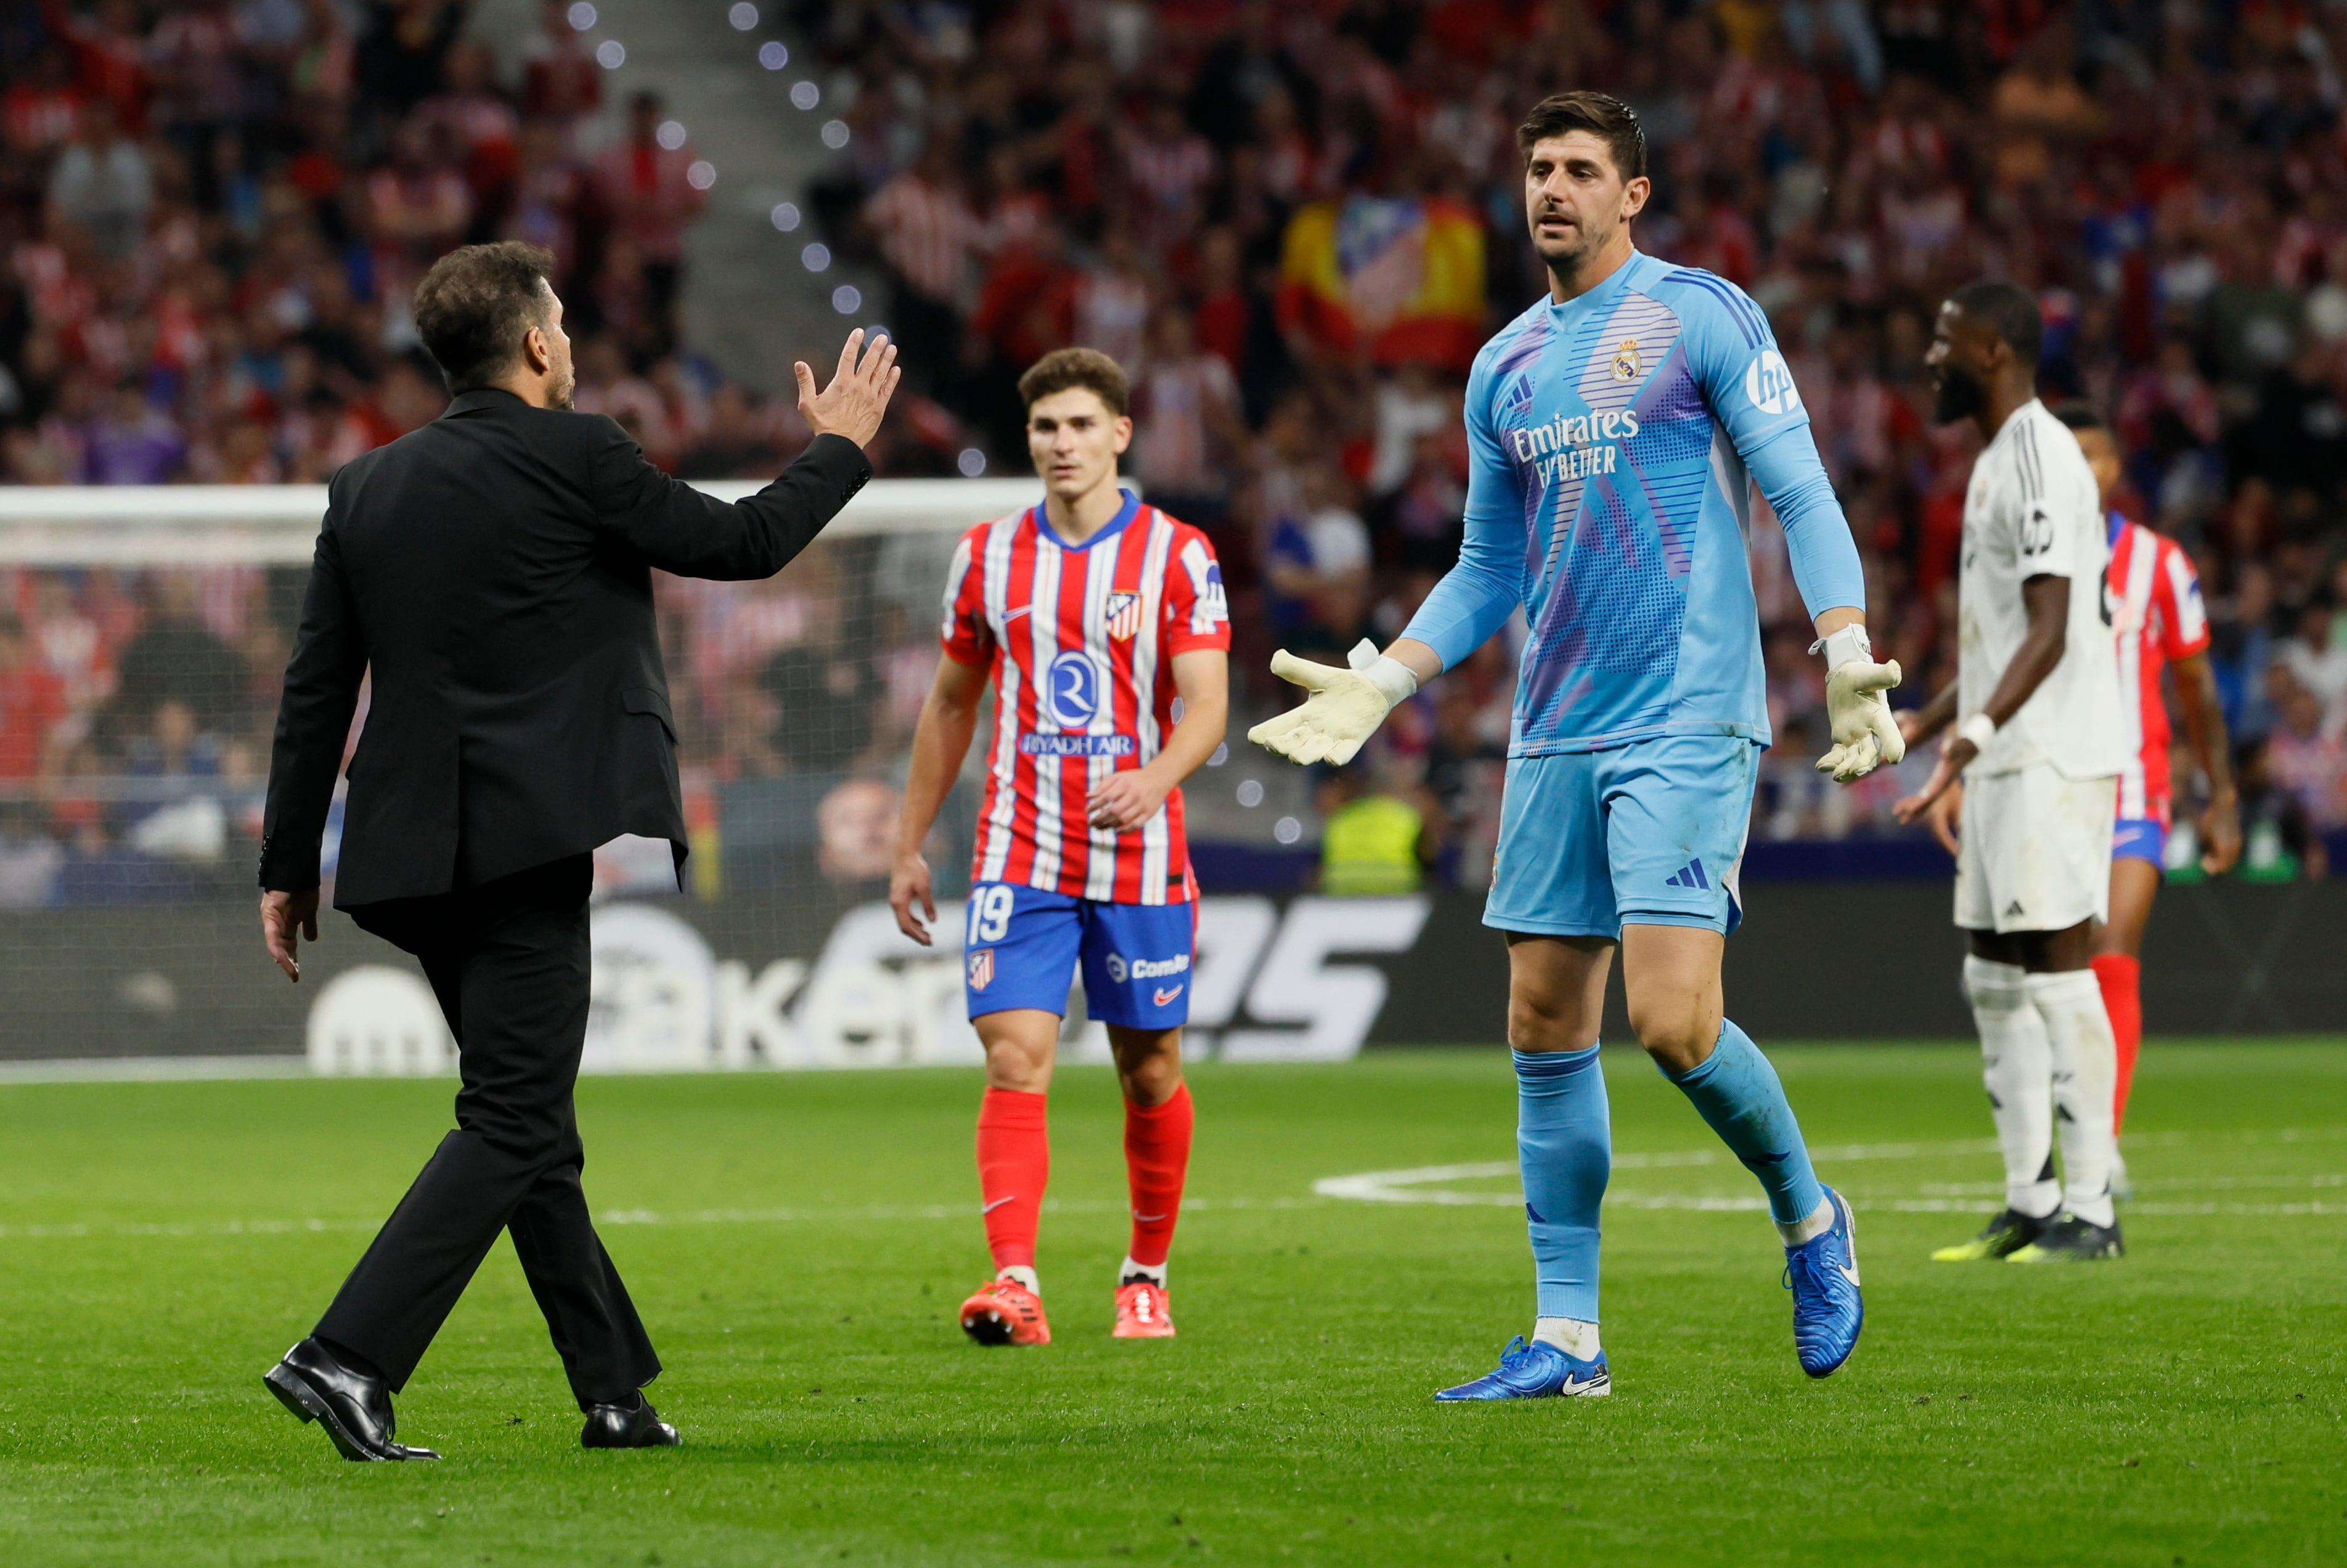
1344,707
1865,736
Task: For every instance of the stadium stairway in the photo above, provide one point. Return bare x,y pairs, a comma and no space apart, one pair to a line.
750,304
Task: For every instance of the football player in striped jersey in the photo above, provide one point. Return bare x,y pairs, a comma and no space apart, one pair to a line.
1092,615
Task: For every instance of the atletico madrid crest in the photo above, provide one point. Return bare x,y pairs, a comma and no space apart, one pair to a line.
981,968
1123,616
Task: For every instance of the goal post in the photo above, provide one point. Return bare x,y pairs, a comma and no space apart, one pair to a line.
143,636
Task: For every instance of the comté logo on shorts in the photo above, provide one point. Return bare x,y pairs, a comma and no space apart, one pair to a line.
1120,968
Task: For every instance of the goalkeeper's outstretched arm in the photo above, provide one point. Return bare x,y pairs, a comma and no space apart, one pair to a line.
1342,708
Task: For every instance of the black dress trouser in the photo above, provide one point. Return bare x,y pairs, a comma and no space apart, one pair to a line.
508,960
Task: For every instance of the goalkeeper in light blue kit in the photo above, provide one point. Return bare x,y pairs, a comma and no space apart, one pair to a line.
1616,429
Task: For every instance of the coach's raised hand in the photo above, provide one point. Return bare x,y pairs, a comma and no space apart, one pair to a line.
853,405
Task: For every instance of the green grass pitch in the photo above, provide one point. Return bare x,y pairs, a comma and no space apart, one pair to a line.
798,1244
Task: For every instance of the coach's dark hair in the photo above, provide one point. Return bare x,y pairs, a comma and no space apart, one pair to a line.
1602,114
1064,368
2009,311
475,305
2079,414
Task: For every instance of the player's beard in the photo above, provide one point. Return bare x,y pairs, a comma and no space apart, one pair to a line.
1564,263
560,393
1959,396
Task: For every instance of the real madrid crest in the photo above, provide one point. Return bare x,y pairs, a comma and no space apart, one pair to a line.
1626,362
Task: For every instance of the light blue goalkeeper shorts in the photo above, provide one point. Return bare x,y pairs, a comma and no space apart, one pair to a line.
1650,834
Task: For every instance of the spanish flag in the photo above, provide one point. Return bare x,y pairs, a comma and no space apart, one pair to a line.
1402,274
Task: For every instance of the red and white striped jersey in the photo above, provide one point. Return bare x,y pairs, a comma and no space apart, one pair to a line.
2155,610
1081,640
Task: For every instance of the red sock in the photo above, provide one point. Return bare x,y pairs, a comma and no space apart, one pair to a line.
1156,1158
1014,1163
2121,978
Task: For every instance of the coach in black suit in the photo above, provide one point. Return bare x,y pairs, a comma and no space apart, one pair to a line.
494,571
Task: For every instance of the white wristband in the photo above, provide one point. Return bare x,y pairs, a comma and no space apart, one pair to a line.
1850,645
1979,729
1396,680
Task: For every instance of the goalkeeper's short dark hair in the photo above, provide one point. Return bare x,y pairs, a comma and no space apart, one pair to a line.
1602,114
2009,311
476,304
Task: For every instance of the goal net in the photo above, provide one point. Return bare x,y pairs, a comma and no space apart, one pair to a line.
143,637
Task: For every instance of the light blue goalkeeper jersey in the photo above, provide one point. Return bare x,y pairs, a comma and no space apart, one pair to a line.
1614,441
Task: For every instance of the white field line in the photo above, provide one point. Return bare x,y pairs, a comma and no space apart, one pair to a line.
1429,1183
151,1068
1417,1184
266,1227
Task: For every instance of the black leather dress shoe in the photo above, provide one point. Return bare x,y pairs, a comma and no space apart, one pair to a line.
636,1426
354,1406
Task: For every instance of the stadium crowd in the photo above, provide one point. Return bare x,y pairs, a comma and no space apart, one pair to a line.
1296,222
213,213
1293,224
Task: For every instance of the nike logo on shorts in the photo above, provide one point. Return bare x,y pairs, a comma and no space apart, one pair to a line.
1162,997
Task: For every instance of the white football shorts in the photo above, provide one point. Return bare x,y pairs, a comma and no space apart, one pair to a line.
2036,851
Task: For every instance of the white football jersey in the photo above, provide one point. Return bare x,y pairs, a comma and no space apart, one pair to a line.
2032,510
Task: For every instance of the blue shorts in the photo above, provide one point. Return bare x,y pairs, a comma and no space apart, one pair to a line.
2140,838
1021,947
1651,834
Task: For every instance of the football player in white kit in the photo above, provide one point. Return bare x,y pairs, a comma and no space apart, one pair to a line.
2037,742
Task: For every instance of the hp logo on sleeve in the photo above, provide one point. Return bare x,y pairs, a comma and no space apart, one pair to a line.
1072,690
1769,385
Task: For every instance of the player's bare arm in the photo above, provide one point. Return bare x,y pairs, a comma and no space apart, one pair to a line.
940,741
2045,599
1920,724
2204,732
1944,817
1128,798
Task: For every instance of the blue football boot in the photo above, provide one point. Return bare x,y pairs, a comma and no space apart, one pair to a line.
1536,1372
1828,1311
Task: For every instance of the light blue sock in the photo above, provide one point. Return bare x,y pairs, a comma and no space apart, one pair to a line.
1564,1143
1737,1092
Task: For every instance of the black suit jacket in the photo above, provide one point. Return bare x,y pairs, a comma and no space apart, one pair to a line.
493,568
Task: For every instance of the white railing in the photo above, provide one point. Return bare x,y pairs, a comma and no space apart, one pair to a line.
276,525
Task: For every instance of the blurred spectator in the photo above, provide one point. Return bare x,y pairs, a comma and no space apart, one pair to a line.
1185,413
1372,840
133,442
2306,759
2316,659
647,183
104,183
856,831
2278,843
33,703
928,235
